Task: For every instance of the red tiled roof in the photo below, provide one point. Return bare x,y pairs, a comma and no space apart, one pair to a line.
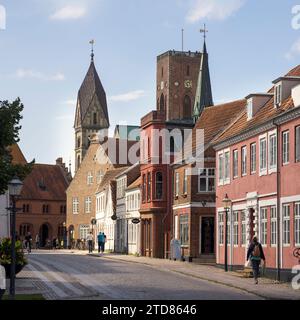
110,176
45,182
17,155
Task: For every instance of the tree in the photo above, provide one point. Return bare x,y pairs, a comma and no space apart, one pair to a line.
10,117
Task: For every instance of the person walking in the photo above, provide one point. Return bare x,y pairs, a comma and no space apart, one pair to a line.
103,243
100,239
37,241
255,254
90,240
28,240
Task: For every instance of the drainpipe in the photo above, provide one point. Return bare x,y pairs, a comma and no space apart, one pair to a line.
278,205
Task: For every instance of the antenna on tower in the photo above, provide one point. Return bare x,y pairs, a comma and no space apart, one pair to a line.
204,31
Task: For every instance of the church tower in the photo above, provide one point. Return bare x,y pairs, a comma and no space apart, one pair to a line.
91,112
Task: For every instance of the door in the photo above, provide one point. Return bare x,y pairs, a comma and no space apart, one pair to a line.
207,235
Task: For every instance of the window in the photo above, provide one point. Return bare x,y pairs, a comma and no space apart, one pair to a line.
99,176
185,181
176,184
46,208
272,151
121,186
162,102
149,187
24,229
286,147
244,161
158,185
63,209
273,226
244,228
227,166
188,71
184,230
187,107
75,206
94,118
78,142
221,228
235,163
263,225
297,224
286,225
26,208
253,157
263,155
90,178
88,204
297,144
84,230
206,181
236,228
221,168
278,93
144,188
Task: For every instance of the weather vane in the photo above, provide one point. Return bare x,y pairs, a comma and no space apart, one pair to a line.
204,31
92,42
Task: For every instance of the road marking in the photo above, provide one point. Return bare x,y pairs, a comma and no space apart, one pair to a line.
60,279
60,293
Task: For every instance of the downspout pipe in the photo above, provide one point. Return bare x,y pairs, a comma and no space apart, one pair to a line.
278,186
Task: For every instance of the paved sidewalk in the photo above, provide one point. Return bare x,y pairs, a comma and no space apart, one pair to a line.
266,288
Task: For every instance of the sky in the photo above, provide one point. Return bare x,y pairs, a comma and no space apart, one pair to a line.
45,54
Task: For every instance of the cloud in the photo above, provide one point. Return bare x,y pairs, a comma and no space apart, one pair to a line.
69,13
294,50
213,9
129,96
32,74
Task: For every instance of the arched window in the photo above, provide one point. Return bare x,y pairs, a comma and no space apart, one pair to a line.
172,145
144,188
94,118
187,107
158,185
162,102
149,187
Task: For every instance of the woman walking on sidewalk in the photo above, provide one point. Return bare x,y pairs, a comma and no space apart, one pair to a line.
255,254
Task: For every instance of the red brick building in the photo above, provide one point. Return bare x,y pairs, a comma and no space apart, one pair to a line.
43,202
258,167
182,93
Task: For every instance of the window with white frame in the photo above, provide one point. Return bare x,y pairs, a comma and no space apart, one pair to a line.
75,206
88,204
185,181
221,228
206,182
184,229
176,184
297,144
263,226
99,176
90,178
286,147
273,151
286,224
235,163
236,228
121,186
263,154
227,166
84,230
273,226
278,94
244,228
253,158
297,224
244,161
221,168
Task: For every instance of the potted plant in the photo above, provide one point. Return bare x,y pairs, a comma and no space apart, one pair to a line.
5,256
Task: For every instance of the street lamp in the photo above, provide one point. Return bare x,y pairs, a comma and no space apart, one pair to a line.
14,189
226,205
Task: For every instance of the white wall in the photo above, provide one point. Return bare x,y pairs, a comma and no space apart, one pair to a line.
4,216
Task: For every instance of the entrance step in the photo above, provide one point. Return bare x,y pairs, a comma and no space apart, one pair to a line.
209,259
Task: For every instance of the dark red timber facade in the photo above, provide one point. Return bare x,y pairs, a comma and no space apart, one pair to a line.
258,167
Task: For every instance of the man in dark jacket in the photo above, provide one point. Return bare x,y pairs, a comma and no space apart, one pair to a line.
255,254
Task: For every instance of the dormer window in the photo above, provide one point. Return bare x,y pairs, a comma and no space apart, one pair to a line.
278,95
250,109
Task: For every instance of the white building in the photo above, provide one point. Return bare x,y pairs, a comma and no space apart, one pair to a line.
133,203
106,207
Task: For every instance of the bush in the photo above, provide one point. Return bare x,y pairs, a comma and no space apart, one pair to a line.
5,253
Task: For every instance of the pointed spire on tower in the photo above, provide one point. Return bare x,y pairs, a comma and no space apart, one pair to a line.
203,96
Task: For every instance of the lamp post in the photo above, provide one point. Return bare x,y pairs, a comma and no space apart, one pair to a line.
14,189
226,205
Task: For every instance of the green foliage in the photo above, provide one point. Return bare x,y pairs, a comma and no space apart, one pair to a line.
5,252
10,117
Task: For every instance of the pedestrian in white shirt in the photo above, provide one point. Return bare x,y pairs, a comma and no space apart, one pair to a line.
90,240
